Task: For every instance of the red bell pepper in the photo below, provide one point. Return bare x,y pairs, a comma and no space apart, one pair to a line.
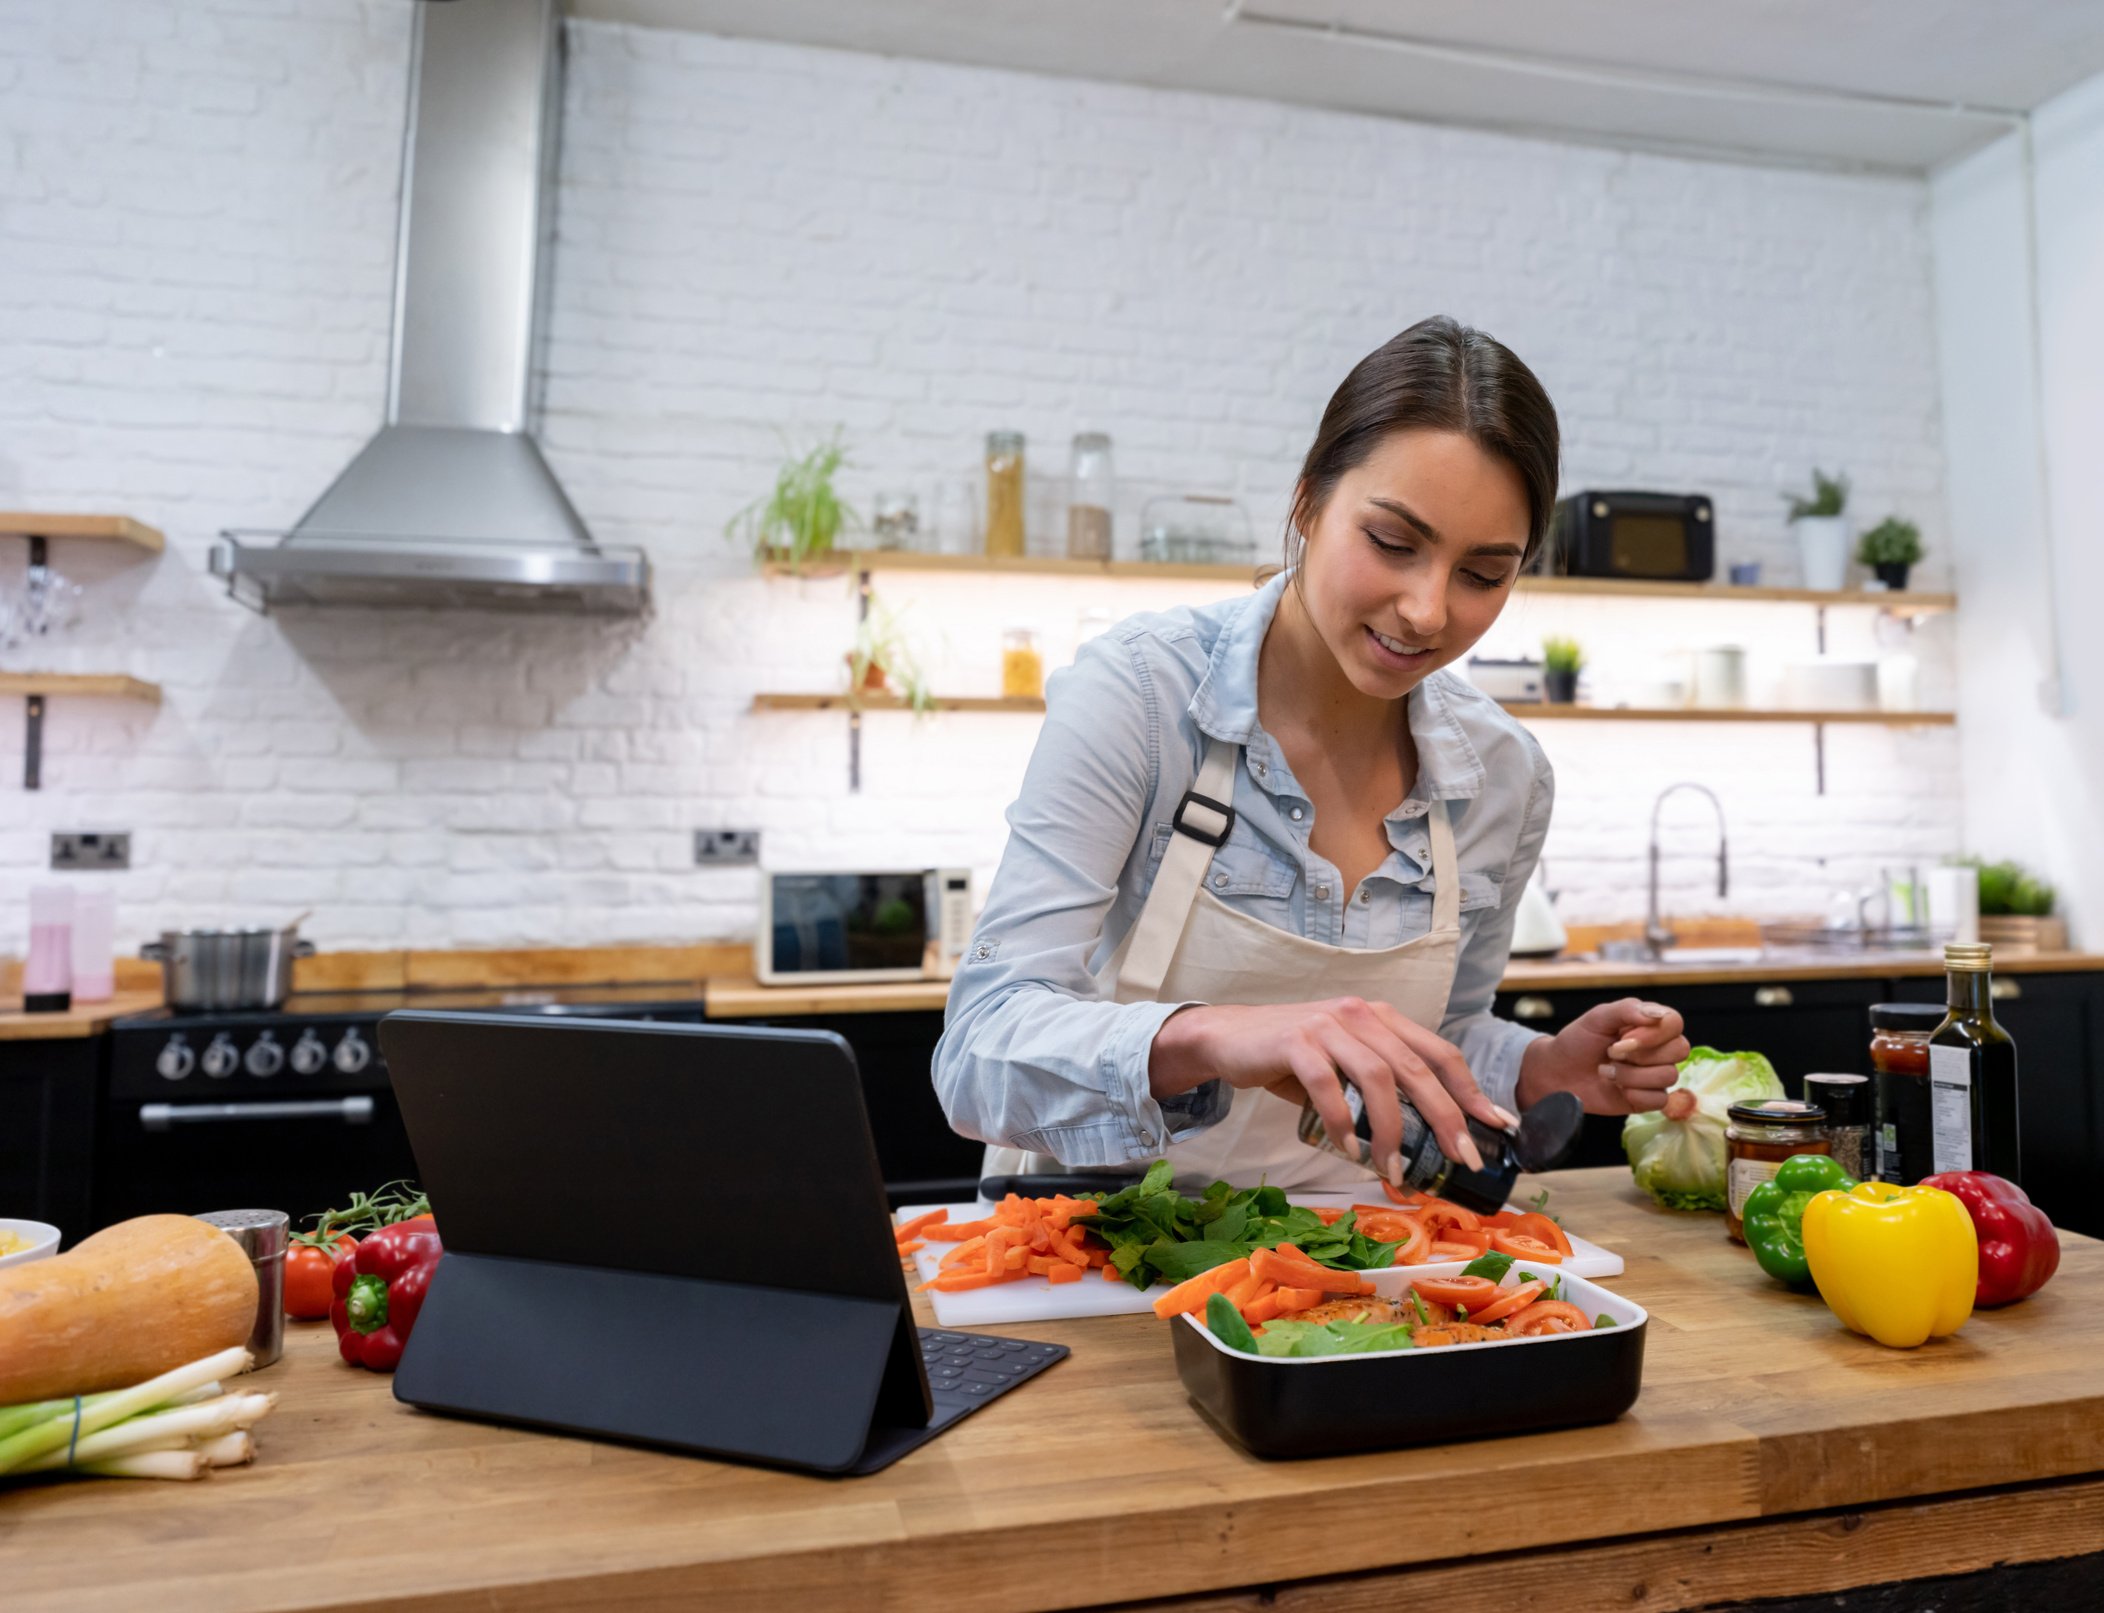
2019,1249
379,1290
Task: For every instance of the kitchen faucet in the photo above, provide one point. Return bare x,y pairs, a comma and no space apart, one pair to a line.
1656,936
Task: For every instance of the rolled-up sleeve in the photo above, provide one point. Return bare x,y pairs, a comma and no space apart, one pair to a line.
1494,1046
1034,1053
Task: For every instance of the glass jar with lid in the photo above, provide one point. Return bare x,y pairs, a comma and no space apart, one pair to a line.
1004,493
1090,490
1759,1137
1904,1140
1208,529
1022,664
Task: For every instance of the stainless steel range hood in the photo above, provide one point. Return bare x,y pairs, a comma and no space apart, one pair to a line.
452,503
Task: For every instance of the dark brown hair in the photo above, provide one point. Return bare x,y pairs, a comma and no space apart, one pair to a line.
1449,377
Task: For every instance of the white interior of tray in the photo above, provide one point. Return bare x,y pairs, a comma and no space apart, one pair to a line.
1391,1283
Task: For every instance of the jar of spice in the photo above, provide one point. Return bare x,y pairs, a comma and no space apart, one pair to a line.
1022,665
1846,1100
1903,1142
1004,493
1760,1137
1090,488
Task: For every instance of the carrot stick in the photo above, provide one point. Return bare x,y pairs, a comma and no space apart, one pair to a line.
1297,1299
1064,1273
964,1251
907,1229
912,1248
1193,1292
1305,1274
958,1231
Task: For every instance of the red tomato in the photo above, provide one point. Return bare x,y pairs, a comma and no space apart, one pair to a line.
1511,1300
1548,1316
1536,1225
1469,1291
1521,1247
1440,1217
310,1271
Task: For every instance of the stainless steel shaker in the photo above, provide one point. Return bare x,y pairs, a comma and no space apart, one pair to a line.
262,1235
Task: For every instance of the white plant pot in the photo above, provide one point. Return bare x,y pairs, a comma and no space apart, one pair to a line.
1823,544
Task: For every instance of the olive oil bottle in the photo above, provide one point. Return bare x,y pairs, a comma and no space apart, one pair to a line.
1972,1073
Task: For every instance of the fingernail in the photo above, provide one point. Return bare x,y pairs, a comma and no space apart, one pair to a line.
1506,1117
1392,1168
1607,1072
1622,1049
1653,1011
1467,1153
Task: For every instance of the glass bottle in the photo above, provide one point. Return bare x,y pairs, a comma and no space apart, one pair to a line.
1090,490
1004,493
1846,1100
1899,1053
1022,665
1972,1072
47,974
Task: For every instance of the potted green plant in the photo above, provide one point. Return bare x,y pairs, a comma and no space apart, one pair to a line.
882,660
1889,548
1821,524
800,519
1561,661
2016,909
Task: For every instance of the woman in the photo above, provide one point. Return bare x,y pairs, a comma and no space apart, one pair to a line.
1266,849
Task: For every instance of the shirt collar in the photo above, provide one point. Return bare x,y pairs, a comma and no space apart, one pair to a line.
1224,705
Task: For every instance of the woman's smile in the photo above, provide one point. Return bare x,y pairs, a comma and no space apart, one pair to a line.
1394,653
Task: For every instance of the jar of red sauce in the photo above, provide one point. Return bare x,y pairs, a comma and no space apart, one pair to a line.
1758,1139
1899,1054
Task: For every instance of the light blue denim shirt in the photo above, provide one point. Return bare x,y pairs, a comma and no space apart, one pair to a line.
1035,1053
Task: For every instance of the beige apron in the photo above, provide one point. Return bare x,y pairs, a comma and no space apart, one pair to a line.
1188,946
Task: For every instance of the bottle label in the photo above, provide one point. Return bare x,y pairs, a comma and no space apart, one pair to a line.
1746,1175
1888,1152
1950,1108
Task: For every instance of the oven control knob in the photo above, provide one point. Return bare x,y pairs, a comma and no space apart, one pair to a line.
177,1060
222,1058
352,1053
266,1058
308,1054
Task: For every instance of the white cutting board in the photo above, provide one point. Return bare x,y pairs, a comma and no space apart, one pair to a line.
1035,1299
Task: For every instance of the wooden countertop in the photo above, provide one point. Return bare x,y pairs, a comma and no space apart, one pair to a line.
1099,1483
87,1019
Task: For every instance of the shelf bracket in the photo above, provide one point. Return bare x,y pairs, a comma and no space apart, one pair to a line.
33,742
1819,758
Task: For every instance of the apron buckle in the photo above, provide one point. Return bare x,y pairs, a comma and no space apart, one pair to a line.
1220,809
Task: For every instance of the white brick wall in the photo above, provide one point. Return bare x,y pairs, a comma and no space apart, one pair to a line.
197,215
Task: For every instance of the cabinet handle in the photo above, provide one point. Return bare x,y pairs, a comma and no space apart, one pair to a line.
1773,996
2004,990
1537,1008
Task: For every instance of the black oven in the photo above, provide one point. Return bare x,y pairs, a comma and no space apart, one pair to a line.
1654,537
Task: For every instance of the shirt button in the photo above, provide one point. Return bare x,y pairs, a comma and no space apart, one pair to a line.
1220,882
1322,893
1146,1136
1365,896
1298,814
1260,770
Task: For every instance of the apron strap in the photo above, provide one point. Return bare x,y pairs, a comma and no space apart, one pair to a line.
1446,873
1203,818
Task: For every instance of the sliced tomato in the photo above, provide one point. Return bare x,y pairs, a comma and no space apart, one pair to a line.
1440,1217
1507,1302
1445,1249
1391,1226
1536,1225
1548,1316
1504,1218
1469,1291
1522,1247
1401,1195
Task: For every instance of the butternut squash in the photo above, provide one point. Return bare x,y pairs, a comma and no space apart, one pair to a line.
125,1305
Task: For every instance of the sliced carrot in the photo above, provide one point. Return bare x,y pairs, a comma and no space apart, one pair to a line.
907,1229
1192,1293
965,1251
912,1248
958,1231
957,1282
1111,1274
1246,1290
1288,1273
1298,1299
1061,1272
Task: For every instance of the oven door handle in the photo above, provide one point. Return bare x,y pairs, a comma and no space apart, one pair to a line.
165,1116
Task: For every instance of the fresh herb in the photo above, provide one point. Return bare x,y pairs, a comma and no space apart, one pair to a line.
1227,1325
1157,1235
1460,1313
1493,1266
1332,1338
1417,1302
1603,1320
368,1212
1539,1204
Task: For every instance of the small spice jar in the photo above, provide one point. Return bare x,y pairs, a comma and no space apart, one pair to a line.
1760,1137
1846,1100
1903,1142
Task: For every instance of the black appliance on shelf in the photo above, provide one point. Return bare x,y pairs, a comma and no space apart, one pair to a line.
287,1108
1647,537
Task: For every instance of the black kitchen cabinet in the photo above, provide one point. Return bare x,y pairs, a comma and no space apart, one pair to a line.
47,1096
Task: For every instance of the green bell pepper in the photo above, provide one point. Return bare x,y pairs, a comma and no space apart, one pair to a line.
1773,1216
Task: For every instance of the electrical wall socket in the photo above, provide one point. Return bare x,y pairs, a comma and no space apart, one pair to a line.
726,848
76,852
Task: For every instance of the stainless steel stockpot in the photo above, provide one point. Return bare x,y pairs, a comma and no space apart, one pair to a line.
220,969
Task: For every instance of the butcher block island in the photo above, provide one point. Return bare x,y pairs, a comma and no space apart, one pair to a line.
1771,1453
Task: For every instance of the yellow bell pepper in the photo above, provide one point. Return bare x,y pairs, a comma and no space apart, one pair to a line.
1899,1264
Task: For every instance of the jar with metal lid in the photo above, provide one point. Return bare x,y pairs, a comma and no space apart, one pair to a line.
262,1235
1022,664
1846,1100
1760,1137
1899,1054
1090,489
1004,493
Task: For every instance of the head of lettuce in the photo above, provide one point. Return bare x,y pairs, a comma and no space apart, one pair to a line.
1677,1152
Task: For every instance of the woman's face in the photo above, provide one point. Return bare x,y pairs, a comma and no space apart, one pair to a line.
1412,558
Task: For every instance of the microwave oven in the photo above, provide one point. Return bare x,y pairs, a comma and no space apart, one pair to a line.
884,924
1653,537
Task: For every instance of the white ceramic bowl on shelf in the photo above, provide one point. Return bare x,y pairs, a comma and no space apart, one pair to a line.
37,1239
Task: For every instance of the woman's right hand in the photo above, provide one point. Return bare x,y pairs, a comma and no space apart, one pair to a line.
1310,1050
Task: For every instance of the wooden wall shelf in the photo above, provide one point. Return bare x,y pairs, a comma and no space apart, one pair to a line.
892,702
37,687
842,561
108,528
1567,713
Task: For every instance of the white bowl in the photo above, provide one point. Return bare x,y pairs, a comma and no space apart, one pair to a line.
41,1236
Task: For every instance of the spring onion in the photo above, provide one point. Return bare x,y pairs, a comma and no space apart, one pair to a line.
178,1425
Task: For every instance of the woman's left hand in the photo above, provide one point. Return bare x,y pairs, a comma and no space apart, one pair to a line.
1619,1058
